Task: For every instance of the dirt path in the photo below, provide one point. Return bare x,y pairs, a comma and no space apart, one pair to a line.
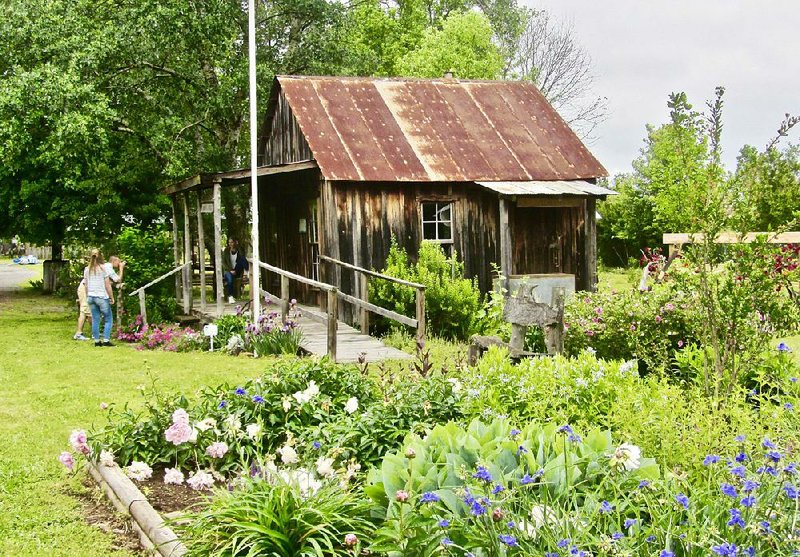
13,277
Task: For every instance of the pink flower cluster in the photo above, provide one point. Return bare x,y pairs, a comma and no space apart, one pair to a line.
217,449
180,431
79,442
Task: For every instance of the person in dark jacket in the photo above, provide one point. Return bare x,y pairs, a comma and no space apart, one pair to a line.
234,265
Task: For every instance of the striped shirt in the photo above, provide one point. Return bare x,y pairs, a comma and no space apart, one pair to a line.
96,282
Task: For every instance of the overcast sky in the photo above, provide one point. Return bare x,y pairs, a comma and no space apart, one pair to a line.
644,49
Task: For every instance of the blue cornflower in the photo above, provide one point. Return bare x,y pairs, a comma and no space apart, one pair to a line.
629,522
617,536
508,539
511,524
521,450
748,501
429,497
774,456
791,468
739,471
770,470
783,347
566,429
258,399
682,500
710,459
222,404
749,485
740,438
497,489
791,491
606,507
765,526
514,432
793,379
789,406
447,541
643,484
725,550
482,474
538,474
444,523
666,553
526,479
316,445
751,551
240,391
736,518
767,444
650,539
741,457
563,543
728,489
551,554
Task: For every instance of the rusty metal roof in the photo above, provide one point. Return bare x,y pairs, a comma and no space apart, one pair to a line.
547,188
441,130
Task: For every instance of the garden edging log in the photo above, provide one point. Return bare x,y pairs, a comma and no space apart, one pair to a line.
127,498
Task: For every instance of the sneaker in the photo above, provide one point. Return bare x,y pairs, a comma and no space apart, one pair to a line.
107,343
231,300
79,336
98,343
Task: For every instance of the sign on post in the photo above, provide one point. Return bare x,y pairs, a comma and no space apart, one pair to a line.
210,331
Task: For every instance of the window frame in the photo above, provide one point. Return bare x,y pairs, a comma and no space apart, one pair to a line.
437,221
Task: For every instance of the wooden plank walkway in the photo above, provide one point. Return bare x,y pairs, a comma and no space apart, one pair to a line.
350,343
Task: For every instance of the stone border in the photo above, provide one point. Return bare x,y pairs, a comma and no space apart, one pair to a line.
154,535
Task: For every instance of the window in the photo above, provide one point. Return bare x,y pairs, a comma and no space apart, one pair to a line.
437,221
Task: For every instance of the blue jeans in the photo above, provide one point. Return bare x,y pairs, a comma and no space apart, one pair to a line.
101,307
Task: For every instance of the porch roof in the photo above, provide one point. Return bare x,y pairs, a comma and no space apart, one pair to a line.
540,188
206,180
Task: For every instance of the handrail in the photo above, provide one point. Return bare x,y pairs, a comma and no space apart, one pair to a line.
365,305
371,273
298,278
159,279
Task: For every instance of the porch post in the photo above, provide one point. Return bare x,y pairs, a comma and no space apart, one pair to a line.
175,248
187,257
591,244
506,260
218,245
201,252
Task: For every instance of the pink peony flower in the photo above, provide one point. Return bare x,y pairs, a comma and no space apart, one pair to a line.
350,540
178,433
66,459
401,496
78,441
173,476
217,449
200,480
139,471
180,416
658,319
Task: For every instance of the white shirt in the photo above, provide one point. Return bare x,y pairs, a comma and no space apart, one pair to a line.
96,282
233,260
110,272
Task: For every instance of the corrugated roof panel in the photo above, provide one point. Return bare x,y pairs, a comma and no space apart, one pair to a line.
546,188
366,129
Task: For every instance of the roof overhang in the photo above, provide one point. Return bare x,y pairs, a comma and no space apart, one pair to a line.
233,177
550,188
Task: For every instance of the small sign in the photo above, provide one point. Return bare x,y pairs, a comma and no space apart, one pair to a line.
211,330
206,207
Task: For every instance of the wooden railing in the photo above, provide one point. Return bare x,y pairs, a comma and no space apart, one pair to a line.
140,291
366,306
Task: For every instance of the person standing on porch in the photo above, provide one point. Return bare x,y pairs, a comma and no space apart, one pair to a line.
234,265
100,296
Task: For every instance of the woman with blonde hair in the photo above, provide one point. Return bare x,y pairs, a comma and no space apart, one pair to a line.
100,296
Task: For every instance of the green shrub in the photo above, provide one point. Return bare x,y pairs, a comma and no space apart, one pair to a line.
451,301
228,326
277,519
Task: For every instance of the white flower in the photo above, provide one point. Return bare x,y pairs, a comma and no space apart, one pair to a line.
325,466
626,456
351,405
173,476
107,458
139,471
305,396
628,367
287,404
205,425
193,436
233,423
180,416
217,449
312,390
590,350
288,455
581,382
253,431
456,384
200,480
352,468
541,516
302,478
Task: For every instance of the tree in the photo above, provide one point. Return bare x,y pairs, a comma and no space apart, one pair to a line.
462,46
547,53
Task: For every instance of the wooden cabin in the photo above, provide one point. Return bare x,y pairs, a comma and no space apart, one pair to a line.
488,169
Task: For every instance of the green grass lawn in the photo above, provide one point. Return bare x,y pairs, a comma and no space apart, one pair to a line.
50,385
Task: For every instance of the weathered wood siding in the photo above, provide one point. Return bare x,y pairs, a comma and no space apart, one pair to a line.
284,141
549,240
365,216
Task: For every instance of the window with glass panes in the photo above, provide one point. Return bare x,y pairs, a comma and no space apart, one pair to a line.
437,221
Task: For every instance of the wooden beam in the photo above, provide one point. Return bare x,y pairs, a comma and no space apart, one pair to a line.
506,262
244,174
187,256
732,238
183,185
218,246
333,323
175,249
389,314
420,315
590,245
201,253
142,309
364,295
371,273
550,201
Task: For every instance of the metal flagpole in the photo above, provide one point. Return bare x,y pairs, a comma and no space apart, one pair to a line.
255,286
